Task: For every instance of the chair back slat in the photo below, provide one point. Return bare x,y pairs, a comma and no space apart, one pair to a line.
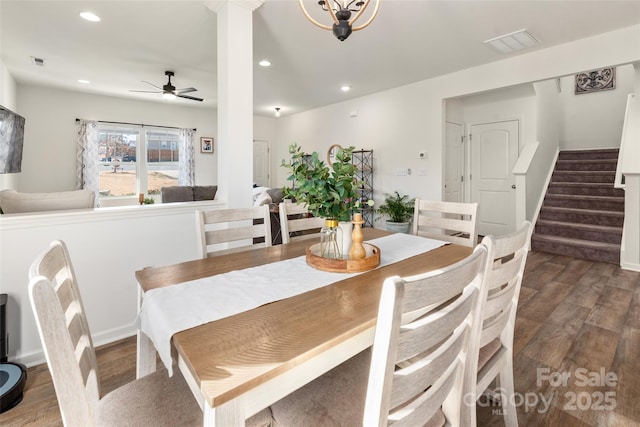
432,365
426,406
64,332
297,223
493,328
429,330
417,364
242,228
449,221
499,301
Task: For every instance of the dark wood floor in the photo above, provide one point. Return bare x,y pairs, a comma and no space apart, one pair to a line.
575,318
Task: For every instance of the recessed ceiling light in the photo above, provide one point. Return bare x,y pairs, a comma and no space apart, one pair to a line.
511,42
84,82
345,88
90,16
264,63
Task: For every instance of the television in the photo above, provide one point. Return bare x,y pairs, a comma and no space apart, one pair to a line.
11,140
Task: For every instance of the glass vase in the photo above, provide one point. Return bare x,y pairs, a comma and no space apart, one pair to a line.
331,239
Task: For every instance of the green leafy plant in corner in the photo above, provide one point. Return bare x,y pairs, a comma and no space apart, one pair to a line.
328,192
148,200
399,208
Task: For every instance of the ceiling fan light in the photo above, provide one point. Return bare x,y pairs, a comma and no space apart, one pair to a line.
168,96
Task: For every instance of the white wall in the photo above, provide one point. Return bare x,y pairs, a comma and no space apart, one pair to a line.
594,120
512,103
399,123
49,156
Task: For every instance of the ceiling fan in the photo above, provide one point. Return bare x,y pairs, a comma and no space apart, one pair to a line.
169,91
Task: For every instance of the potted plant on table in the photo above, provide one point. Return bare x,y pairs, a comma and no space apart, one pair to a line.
328,192
399,209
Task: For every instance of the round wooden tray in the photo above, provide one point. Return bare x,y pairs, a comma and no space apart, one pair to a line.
345,265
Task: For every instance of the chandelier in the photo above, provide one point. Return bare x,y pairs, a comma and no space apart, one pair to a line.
340,11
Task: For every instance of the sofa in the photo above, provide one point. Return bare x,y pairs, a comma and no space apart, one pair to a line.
13,202
188,193
267,196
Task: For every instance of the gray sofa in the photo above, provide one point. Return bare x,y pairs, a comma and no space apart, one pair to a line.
13,202
187,193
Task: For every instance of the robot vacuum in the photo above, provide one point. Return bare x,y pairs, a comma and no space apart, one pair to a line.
13,376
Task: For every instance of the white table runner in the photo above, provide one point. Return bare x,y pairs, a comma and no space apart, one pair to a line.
168,310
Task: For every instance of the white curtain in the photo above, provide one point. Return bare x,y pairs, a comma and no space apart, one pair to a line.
186,162
87,173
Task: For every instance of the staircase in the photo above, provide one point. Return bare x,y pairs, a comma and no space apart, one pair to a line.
582,214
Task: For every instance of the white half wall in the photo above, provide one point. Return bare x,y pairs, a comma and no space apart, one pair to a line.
107,246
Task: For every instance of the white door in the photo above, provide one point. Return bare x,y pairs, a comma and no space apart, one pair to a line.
261,163
453,167
494,151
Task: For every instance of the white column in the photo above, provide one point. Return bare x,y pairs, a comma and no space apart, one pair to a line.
235,99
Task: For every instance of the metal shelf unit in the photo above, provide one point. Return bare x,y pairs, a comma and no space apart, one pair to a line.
363,161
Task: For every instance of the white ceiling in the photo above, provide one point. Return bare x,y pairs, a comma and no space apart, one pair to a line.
409,41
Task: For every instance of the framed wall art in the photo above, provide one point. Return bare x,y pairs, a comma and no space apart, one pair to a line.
596,80
206,145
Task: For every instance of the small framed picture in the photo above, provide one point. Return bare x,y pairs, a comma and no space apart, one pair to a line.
206,145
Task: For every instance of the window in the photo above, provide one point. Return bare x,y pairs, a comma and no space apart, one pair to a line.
133,161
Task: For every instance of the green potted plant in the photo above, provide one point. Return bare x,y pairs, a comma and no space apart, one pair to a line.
399,209
328,192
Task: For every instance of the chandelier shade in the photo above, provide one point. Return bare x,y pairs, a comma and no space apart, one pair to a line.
341,12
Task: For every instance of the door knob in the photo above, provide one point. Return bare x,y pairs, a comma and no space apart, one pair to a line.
513,186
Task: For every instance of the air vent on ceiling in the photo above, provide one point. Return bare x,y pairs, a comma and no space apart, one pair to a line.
511,42
37,61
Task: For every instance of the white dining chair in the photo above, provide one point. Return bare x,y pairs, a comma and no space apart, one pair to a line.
425,323
449,221
240,228
296,223
153,400
506,259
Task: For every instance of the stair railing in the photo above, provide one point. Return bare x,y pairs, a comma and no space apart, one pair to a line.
628,177
629,127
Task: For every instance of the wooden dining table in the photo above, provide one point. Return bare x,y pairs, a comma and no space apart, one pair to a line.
241,364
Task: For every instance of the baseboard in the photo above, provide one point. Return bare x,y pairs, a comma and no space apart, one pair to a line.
629,266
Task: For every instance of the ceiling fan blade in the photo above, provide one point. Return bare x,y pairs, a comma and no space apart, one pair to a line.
146,91
157,87
186,90
189,97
